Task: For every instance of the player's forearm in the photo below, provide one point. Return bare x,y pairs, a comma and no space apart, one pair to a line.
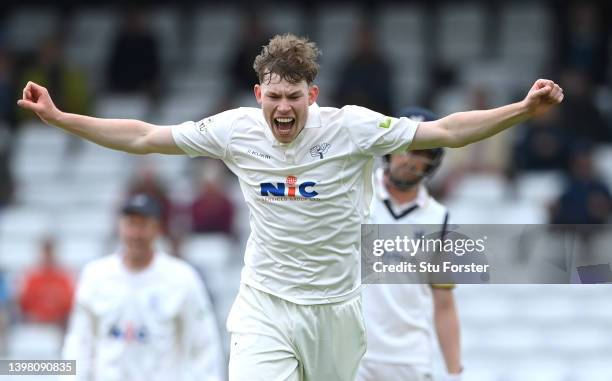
471,126
447,329
120,134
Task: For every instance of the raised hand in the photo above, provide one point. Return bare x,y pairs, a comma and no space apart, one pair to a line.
37,99
542,96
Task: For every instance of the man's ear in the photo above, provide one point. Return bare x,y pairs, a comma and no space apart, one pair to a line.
313,94
257,91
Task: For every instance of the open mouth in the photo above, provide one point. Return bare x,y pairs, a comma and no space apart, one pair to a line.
284,125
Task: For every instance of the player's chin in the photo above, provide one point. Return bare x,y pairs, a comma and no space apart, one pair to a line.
406,176
136,245
285,135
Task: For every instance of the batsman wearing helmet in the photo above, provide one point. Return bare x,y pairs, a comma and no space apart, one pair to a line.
403,320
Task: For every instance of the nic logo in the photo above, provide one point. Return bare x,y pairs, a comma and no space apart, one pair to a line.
129,332
289,188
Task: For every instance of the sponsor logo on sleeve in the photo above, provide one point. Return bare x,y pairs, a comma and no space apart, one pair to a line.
385,123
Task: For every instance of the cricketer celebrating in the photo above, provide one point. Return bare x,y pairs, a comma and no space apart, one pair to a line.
305,172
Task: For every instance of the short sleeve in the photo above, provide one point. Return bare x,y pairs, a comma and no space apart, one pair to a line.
377,134
208,137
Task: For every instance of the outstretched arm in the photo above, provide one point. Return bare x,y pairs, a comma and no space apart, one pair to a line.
463,128
127,135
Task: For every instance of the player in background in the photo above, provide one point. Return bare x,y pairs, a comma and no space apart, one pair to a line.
305,172
401,318
141,314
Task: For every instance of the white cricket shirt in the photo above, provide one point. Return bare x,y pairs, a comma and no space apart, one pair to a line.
156,324
306,198
399,317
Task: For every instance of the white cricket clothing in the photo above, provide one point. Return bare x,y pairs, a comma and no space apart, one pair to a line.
423,210
306,198
399,316
276,340
156,324
375,371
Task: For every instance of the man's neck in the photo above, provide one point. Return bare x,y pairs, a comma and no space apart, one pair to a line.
401,196
136,263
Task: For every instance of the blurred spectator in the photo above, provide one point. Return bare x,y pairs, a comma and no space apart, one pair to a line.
365,78
8,90
580,115
212,211
441,78
7,126
6,176
542,144
67,84
490,156
146,181
135,62
46,296
240,67
584,39
586,199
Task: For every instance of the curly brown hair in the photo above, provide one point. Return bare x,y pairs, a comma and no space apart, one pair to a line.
292,58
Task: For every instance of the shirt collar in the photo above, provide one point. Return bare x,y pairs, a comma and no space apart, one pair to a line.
314,116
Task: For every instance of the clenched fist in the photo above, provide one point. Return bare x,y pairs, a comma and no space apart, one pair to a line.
542,96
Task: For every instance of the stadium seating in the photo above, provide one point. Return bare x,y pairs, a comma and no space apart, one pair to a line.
285,18
531,332
461,32
33,341
167,26
21,36
336,25
525,39
91,32
215,31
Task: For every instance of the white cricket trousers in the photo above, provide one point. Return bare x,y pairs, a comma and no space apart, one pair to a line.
276,340
370,370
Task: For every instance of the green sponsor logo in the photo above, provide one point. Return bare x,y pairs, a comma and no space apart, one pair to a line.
385,124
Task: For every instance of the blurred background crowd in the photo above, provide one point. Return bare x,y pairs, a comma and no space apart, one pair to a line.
170,63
